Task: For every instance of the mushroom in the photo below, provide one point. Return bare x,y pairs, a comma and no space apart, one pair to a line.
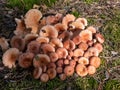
68,70
62,52
47,48
66,61
93,51
59,27
99,37
53,56
25,60
56,42
48,31
83,46
99,47
81,70
92,29
50,19
69,44
51,73
95,61
37,72
17,42
44,68
82,20
76,39
3,43
90,43
83,60
33,47
86,35
59,70
67,19
51,65
72,63
78,52
44,77
60,63
32,19
62,76
91,70
10,56
41,60
42,40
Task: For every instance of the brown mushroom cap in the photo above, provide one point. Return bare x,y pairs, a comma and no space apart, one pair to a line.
48,31
78,52
33,47
92,29
60,63
56,42
51,73
95,61
76,39
82,20
59,70
83,60
69,70
81,70
37,72
10,56
53,56
66,61
62,76
51,65
59,27
47,48
41,60
17,42
93,51
32,19
83,46
3,43
99,37
42,40
69,44
25,60
99,47
62,52
44,77
72,63
91,69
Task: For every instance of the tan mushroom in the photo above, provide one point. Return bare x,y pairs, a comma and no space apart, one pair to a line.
81,70
32,19
59,70
78,52
99,47
66,61
82,20
72,63
62,52
51,73
42,40
83,60
83,46
69,45
56,42
47,48
51,65
68,70
10,56
92,29
48,31
4,43
41,60
99,37
17,42
37,72
44,77
59,27
91,70
25,60
62,76
53,56
60,62
93,51
77,39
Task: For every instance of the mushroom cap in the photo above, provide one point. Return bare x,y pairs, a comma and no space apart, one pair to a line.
50,19
59,70
62,52
99,47
92,29
67,19
48,31
77,39
33,47
93,51
91,70
60,63
78,52
62,76
42,40
53,56
69,44
32,19
59,27
95,61
56,42
72,63
86,35
41,60
17,42
25,60
81,70
51,65
66,61
82,20
83,60
99,37
47,48
3,43
10,56
44,77
68,70
83,46
51,73
37,72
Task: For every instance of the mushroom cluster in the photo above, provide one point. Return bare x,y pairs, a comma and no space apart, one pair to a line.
55,45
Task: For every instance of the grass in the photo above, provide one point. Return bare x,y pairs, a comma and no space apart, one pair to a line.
90,1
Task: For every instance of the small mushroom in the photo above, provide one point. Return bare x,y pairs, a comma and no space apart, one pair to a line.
83,60
59,70
32,19
60,63
76,39
59,27
51,73
81,70
33,47
47,48
99,37
91,70
41,60
83,46
37,72
95,61
62,76
3,43
92,29
42,40
56,42
25,60
50,19
93,51
82,20
17,42
62,52
10,56
48,31
44,77
69,45
53,56
66,61
67,19
78,52
72,63
68,70
90,43
51,65
86,35
99,47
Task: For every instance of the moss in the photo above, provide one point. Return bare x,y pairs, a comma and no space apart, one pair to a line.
90,1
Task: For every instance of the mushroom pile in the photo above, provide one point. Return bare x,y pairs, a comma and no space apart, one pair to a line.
55,45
